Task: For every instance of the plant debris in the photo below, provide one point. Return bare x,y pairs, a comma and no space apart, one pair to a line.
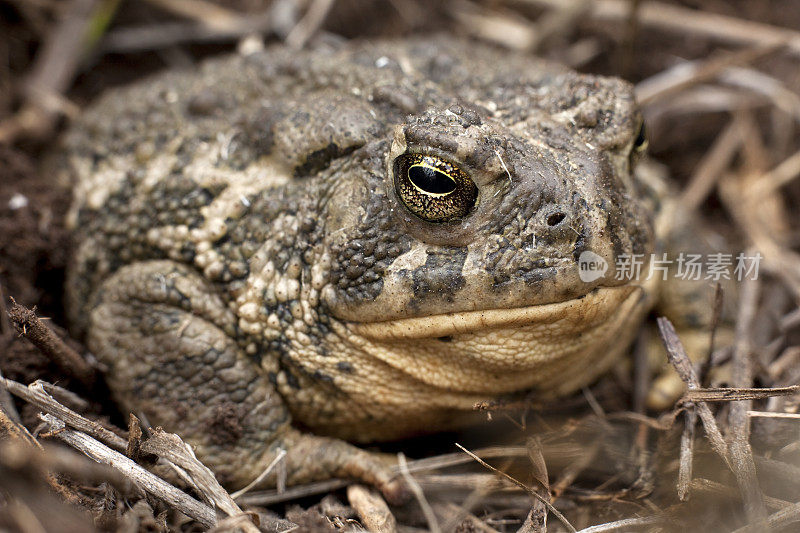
719,90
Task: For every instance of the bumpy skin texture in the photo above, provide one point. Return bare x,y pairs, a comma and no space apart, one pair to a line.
245,266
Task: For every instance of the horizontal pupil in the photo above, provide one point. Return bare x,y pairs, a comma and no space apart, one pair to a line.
431,180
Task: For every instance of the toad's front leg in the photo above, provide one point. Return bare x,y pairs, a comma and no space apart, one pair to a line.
168,342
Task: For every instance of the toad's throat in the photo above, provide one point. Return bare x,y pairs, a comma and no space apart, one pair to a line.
581,313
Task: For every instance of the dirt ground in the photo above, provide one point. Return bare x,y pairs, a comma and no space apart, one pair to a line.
719,85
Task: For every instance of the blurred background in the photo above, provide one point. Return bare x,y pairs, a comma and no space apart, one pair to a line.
719,85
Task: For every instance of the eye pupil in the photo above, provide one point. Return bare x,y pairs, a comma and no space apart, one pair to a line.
430,180
433,188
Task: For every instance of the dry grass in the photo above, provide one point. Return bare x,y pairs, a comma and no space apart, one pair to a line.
720,90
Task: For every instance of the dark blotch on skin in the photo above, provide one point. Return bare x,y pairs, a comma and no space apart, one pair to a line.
225,427
441,276
344,366
321,158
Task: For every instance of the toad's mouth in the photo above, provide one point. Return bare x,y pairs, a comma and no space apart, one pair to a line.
576,314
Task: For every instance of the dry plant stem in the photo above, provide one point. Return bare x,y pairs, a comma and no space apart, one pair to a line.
167,34
309,24
715,488
261,476
711,167
480,486
780,519
791,320
683,366
686,75
571,472
485,483
769,414
778,94
738,422
207,13
270,497
36,395
52,72
62,460
730,394
67,359
7,404
15,429
505,29
686,454
455,459
561,518
141,477
371,509
457,515
170,447
537,517
64,396
559,22
430,517
784,173
241,522
690,21
628,524
716,317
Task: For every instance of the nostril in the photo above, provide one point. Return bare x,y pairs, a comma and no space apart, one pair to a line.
556,218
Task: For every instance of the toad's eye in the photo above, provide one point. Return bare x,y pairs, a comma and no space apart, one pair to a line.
433,188
640,143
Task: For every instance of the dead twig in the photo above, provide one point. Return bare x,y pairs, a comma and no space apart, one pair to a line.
14,428
172,448
49,458
686,454
371,509
716,318
164,35
626,525
683,366
430,516
459,518
31,327
712,166
35,394
685,75
209,14
271,466
561,518
55,67
708,486
733,394
690,21
780,519
309,24
151,483
738,422
7,404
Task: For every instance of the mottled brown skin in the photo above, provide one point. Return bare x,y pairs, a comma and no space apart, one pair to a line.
246,268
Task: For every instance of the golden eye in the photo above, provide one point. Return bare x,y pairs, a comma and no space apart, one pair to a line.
433,188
